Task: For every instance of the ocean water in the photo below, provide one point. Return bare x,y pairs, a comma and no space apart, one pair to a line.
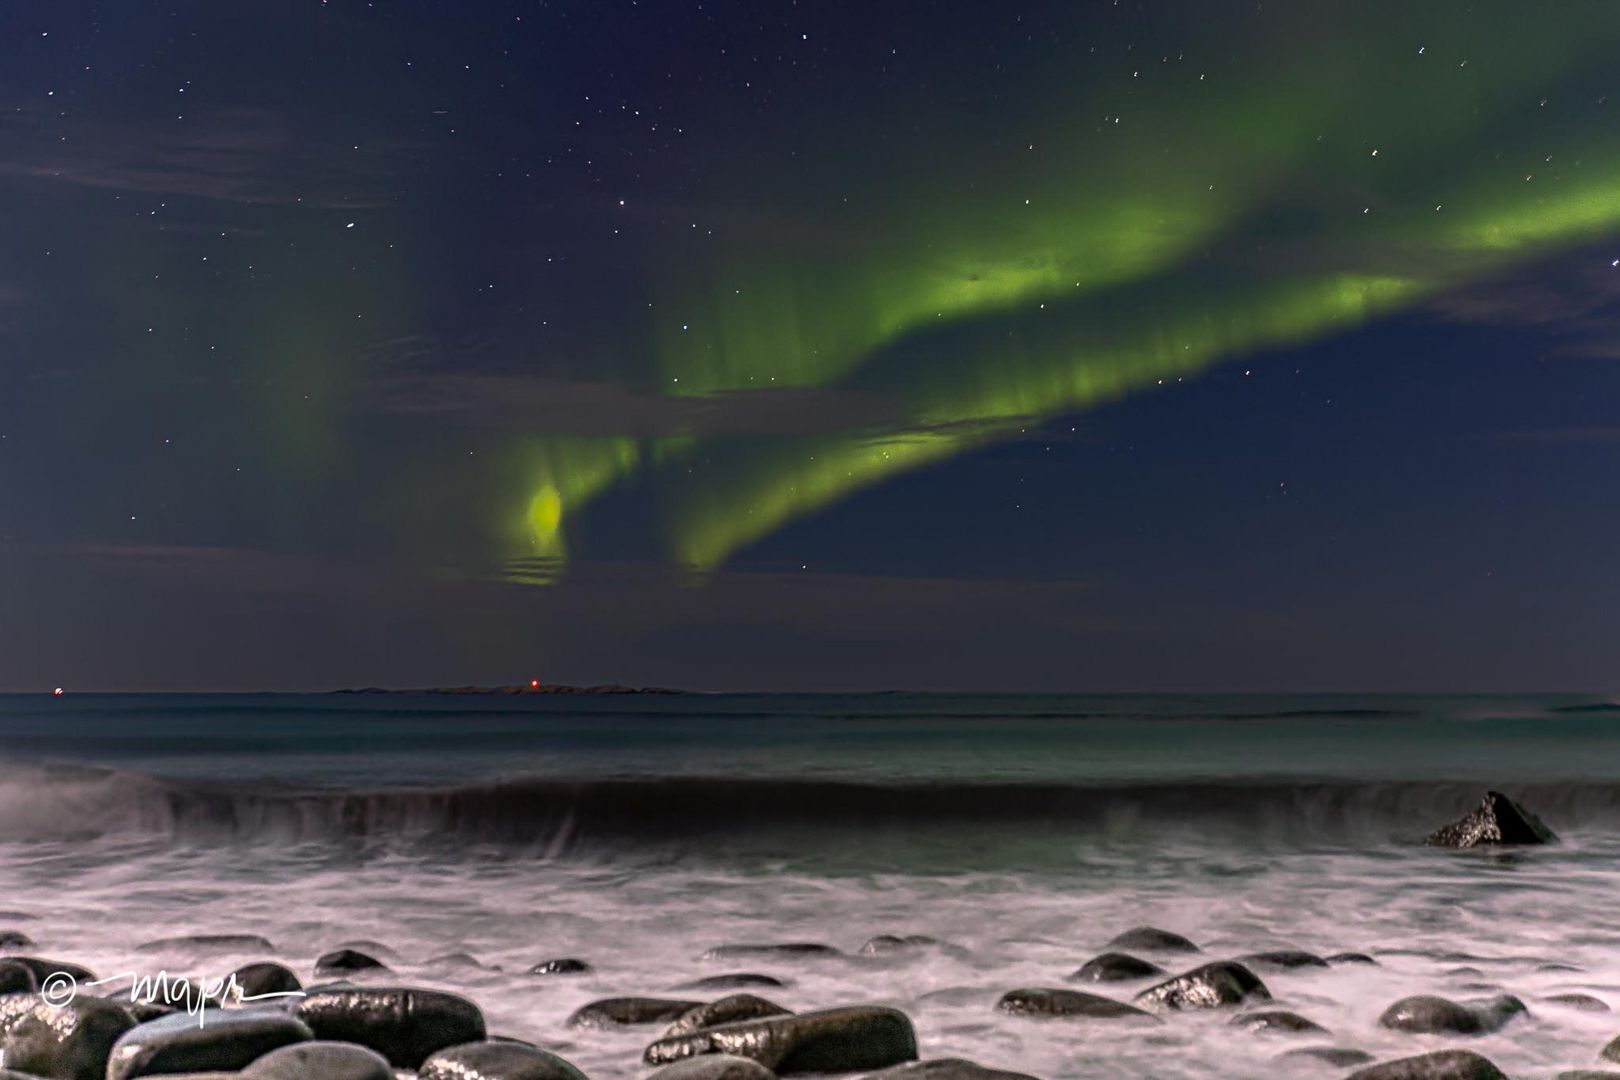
638,832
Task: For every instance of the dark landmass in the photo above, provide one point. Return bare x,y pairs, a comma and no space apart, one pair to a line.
544,688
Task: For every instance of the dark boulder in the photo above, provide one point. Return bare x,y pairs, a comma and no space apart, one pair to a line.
1439,1065
1152,939
1430,1015
854,1039
566,965
1283,960
66,1042
1279,1021
1497,820
736,981
627,1011
320,1061
497,1060
1115,967
403,1024
712,1067
17,978
214,1041
1046,1002
1340,1057
15,939
1224,982
208,943
946,1069
1611,1052
43,969
347,962
726,1010
259,982
793,950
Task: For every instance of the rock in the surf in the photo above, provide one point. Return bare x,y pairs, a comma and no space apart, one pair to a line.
564,965
43,969
1587,1074
208,943
320,1061
1224,982
1611,1052
1283,960
946,1069
1497,820
1152,939
1578,1002
265,981
852,1039
792,950
1115,967
1439,1065
15,939
1048,1002
713,1067
1428,1014
1351,958
629,1011
216,1040
725,1010
735,981
17,978
403,1024
497,1060
65,1042
1340,1057
348,962
1279,1021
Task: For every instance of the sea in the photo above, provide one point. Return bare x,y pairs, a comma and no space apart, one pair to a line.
1022,832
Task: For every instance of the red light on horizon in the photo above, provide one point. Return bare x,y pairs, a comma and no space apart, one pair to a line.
534,684
57,692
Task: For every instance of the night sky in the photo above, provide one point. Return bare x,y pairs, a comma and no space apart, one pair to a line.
832,344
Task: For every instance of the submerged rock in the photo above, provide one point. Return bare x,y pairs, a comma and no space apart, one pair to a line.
1042,1001
793,950
625,1011
347,962
1611,1052
1152,939
403,1024
1115,967
1278,1021
1341,1057
208,943
1440,1065
1283,960
1497,820
1587,1074
714,1067
734,981
1351,958
67,1042
946,1069
214,1041
562,966
1579,1002
497,1060
1224,982
724,1011
15,939
853,1039
884,944
320,1061
1429,1015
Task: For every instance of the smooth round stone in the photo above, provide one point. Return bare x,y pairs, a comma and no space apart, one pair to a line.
403,1024
716,1067
15,939
454,960
1279,1021
1152,939
17,978
1047,1002
793,950
208,943
320,1061
1340,1057
67,1042
1440,1065
1283,960
1579,1002
725,1010
1115,967
856,1039
888,944
1430,1015
348,961
1351,958
562,966
628,1011
266,981
1222,983
497,1060
43,969
216,1040
946,1069
739,980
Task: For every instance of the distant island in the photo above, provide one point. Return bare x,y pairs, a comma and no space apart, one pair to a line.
522,688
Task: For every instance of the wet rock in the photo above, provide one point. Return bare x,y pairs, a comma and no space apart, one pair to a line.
1579,1002
15,939
1430,1015
796,950
1115,967
264,981
1152,939
1224,982
370,948
208,943
348,962
1556,968
403,1024
1278,1021
735,981
1340,1057
1440,1065
1587,1074
713,1067
1351,958
1041,1001
1611,1052
43,969
497,1060
724,1011
217,1040
563,966
17,978
1497,820
144,1011
946,1069
454,960
320,1061
1283,960
854,1039
626,1011
69,1042
884,944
